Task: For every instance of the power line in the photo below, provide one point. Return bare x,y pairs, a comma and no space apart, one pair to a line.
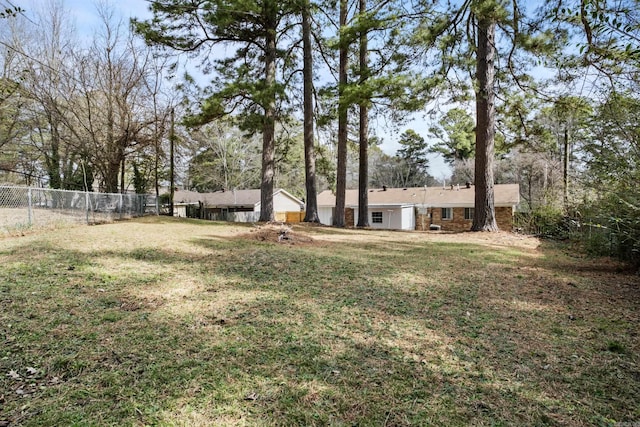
26,55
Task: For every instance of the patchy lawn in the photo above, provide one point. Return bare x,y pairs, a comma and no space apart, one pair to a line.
159,321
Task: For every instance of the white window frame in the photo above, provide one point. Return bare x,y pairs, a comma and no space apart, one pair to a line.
446,214
375,219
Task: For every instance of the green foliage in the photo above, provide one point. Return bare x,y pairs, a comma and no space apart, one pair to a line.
79,176
251,76
613,163
456,134
608,32
12,96
413,155
239,87
547,222
614,225
139,180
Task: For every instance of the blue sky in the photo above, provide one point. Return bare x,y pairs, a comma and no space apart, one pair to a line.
84,11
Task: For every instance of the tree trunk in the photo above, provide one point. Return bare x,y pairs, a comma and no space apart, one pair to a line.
112,174
341,172
565,171
311,214
484,215
156,141
172,183
53,159
268,127
122,171
363,134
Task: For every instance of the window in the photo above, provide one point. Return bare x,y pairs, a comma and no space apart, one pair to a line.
468,213
447,213
376,217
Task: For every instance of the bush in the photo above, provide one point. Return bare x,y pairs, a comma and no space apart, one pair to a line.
547,222
613,227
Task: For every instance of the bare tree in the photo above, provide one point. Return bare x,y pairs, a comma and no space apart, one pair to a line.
111,108
223,158
47,56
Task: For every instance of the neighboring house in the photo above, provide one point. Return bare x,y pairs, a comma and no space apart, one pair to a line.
422,208
233,205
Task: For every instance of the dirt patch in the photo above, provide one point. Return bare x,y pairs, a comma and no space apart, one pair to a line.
137,303
277,232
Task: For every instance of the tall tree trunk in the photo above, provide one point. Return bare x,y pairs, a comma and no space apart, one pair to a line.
565,170
363,134
311,214
53,158
268,129
172,183
341,173
112,174
156,141
111,147
123,164
484,216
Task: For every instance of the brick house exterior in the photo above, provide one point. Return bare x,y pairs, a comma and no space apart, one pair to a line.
421,208
458,222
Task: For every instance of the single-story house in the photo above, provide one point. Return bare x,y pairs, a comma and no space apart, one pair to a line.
422,208
232,205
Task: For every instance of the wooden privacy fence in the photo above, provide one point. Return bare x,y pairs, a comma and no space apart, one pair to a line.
290,217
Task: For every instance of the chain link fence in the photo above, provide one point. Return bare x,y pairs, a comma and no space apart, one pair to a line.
23,207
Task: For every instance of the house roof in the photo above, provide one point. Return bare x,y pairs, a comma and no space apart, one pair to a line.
504,195
226,198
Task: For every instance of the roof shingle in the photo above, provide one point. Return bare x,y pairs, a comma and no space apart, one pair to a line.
504,195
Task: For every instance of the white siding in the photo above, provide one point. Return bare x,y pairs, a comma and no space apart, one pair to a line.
325,214
408,218
391,217
180,211
283,203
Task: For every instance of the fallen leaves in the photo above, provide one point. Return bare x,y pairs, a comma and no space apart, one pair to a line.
30,381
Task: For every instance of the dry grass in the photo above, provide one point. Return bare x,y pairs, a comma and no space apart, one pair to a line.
174,322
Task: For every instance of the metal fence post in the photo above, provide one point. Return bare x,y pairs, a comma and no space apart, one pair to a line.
29,205
86,205
66,206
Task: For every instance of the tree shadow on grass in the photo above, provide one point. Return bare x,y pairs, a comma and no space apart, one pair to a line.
392,333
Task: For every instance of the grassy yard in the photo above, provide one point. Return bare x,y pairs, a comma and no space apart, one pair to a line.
173,322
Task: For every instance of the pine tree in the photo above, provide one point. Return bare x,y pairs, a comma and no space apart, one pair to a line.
246,84
463,38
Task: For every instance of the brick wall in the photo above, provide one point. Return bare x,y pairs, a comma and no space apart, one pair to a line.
422,219
457,223
504,219
349,217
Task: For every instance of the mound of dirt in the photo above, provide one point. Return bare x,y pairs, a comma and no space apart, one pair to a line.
278,233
